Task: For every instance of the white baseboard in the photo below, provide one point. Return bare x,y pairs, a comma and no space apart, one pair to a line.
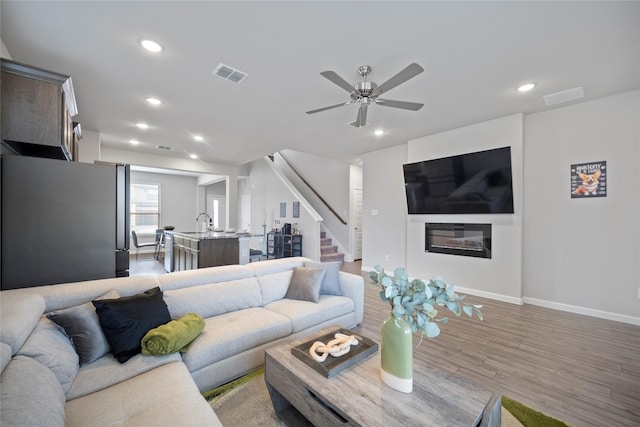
583,310
476,292
490,295
548,304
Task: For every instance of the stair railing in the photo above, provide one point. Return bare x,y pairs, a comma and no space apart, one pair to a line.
313,189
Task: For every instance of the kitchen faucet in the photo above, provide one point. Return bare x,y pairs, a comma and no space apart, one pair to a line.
208,218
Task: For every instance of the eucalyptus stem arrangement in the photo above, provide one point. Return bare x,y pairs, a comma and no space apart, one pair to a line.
415,301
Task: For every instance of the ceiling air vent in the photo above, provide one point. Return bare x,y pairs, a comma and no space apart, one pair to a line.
229,73
164,147
564,96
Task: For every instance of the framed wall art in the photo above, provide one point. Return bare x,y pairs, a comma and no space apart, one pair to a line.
589,180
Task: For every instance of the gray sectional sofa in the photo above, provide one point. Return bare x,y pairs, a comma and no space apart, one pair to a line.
44,381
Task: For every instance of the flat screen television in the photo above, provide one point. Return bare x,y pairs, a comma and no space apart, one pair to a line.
471,183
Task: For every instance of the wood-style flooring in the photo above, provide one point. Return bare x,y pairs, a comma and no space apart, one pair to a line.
582,370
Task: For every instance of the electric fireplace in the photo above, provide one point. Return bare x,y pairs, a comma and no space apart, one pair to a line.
458,239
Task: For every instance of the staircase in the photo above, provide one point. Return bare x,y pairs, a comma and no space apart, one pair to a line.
328,252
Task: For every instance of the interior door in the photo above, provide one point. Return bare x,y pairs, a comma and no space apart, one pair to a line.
357,223
245,212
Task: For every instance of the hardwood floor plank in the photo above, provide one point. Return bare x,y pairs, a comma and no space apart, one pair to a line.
580,369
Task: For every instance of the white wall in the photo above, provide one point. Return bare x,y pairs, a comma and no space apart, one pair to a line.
178,198
330,178
579,255
500,276
584,252
89,147
267,191
218,191
110,154
384,209
232,172
4,52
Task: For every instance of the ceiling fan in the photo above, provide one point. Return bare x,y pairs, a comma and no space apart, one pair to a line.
366,93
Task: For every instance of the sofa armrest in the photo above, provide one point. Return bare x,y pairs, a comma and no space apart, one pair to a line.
352,286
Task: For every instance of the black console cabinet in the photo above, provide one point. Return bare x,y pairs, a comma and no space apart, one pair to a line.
283,245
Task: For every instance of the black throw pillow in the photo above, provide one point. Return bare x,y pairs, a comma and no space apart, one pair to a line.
126,320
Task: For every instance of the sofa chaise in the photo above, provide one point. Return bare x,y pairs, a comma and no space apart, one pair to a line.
57,373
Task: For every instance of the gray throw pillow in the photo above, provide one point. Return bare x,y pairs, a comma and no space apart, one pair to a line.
331,281
82,325
305,284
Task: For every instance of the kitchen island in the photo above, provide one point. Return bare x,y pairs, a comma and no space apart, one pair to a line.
188,250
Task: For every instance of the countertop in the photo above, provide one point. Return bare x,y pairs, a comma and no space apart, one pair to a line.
207,235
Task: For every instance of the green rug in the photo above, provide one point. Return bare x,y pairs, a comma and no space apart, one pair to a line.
219,392
529,417
526,416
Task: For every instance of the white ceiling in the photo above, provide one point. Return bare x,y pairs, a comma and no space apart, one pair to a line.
474,55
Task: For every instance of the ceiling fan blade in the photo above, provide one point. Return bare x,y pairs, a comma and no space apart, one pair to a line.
411,71
413,106
331,75
361,120
328,108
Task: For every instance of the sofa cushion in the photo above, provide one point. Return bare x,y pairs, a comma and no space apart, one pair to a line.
331,279
124,321
82,325
276,265
234,332
107,371
166,396
203,276
305,284
5,355
274,286
214,298
20,315
51,347
65,295
30,394
305,314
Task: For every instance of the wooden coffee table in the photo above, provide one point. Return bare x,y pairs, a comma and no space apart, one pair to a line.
357,396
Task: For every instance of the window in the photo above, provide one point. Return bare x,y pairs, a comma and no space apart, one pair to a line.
145,208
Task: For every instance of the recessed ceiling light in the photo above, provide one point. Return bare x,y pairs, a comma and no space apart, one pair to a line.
193,156
198,138
134,142
142,125
154,101
379,132
526,87
151,46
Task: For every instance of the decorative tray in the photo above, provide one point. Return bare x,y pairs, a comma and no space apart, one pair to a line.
333,365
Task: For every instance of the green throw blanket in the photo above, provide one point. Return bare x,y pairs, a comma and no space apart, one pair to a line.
173,336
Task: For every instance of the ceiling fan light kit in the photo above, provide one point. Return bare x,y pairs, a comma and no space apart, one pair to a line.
366,93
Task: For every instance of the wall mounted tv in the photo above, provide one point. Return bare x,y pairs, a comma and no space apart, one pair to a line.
471,183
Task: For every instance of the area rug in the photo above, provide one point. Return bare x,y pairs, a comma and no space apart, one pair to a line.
246,402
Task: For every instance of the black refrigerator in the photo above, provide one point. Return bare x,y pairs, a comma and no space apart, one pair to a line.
62,221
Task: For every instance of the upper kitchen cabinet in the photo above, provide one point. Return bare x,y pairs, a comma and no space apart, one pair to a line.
37,111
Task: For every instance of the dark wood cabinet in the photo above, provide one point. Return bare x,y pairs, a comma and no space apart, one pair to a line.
37,112
190,253
283,245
